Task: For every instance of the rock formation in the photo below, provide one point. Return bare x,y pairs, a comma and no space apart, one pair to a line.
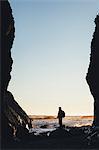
11,112
93,71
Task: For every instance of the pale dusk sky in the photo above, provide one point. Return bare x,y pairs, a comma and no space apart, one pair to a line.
51,54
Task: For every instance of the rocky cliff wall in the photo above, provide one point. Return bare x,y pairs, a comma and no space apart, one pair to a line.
12,115
93,71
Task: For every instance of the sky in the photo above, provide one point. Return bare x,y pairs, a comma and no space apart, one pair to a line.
51,54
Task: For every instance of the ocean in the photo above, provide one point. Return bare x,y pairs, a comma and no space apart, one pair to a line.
48,124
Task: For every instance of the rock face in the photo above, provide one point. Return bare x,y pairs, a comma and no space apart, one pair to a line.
7,37
93,71
11,112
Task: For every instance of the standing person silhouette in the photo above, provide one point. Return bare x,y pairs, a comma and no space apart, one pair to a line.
61,115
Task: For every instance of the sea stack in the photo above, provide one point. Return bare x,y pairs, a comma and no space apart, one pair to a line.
92,76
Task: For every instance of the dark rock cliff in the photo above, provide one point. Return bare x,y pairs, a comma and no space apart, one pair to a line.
93,71
12,114
7,37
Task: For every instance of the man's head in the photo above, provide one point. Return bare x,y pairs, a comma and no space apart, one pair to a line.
59,108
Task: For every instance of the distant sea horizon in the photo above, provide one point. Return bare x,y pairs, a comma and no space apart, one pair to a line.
45,123
55,117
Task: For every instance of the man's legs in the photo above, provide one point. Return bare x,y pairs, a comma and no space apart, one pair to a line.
60,122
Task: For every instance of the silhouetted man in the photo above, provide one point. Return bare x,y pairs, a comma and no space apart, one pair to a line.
61,114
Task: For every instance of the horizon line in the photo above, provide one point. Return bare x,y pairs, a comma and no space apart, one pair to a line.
65,115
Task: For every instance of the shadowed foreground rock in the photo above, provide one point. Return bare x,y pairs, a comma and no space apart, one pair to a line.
93,72
11,112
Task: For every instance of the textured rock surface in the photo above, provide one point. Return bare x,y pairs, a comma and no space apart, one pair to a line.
93,71
11,112
7,34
